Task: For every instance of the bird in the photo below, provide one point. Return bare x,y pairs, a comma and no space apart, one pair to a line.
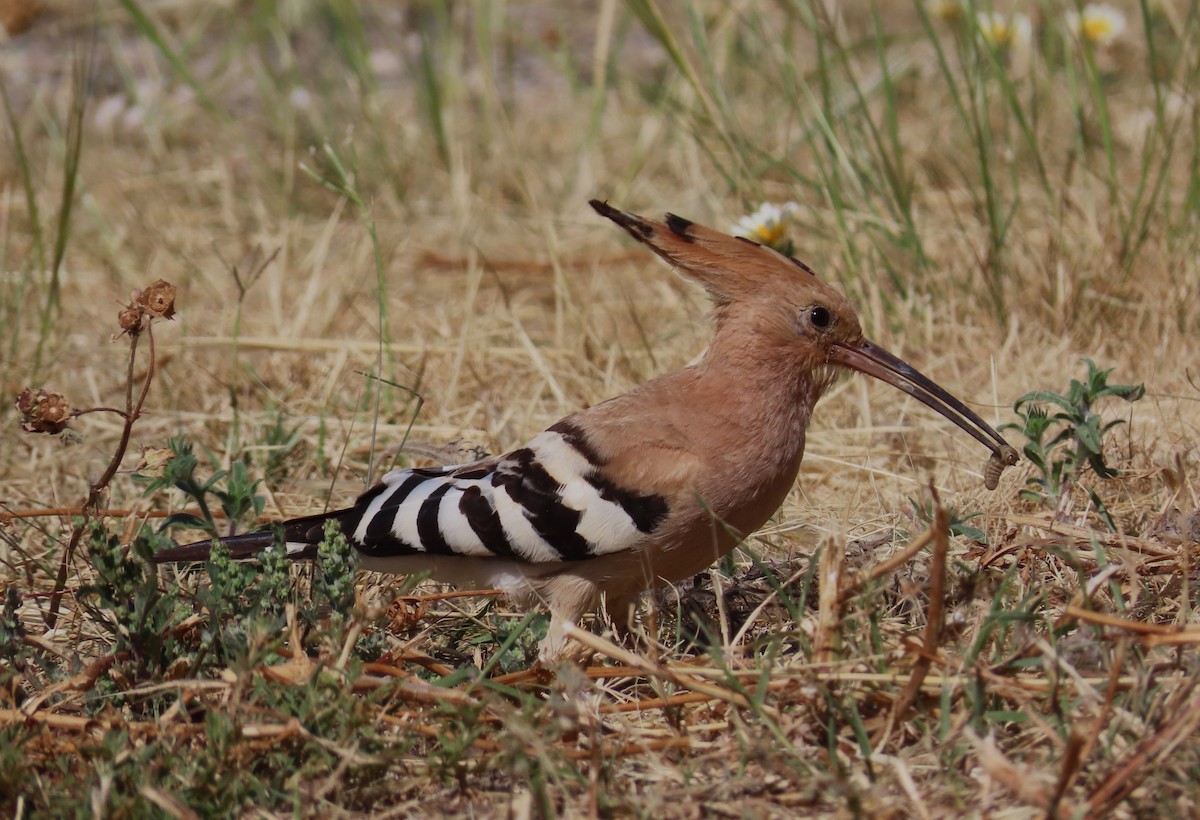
647,488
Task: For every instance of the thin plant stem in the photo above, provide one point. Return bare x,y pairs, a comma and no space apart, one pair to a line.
91,507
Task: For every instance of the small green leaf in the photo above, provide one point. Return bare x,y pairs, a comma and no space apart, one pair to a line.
1089,436
192,522
1045,396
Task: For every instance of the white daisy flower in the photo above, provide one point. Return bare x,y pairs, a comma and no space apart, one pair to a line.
950,11
1003,32
768,225
1098,23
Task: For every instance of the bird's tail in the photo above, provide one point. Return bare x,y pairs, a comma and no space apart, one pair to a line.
300,535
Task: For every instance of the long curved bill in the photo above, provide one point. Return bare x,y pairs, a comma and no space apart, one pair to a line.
873,360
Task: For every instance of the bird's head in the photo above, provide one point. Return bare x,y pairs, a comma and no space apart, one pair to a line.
784,304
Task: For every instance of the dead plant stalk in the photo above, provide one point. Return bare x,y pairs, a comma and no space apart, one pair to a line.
91,506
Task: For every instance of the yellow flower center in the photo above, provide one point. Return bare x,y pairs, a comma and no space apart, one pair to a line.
769,234
1097,29
949,10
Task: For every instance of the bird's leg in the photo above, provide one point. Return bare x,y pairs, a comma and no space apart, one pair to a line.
568,597
621,611
557,648
555,644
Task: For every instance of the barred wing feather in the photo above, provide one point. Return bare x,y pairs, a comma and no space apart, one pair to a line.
547,501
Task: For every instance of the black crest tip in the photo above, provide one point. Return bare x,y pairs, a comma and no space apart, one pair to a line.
679,226
802,266
634,224
603,208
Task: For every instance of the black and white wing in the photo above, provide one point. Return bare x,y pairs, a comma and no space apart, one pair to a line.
547,501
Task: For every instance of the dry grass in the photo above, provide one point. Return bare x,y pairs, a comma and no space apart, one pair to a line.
1055,675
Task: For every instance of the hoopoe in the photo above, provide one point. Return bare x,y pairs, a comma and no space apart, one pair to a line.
647,488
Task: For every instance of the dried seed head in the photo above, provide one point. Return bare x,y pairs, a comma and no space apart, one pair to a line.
43,412
130,319
158,300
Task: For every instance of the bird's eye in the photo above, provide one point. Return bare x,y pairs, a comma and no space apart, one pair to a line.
820,317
